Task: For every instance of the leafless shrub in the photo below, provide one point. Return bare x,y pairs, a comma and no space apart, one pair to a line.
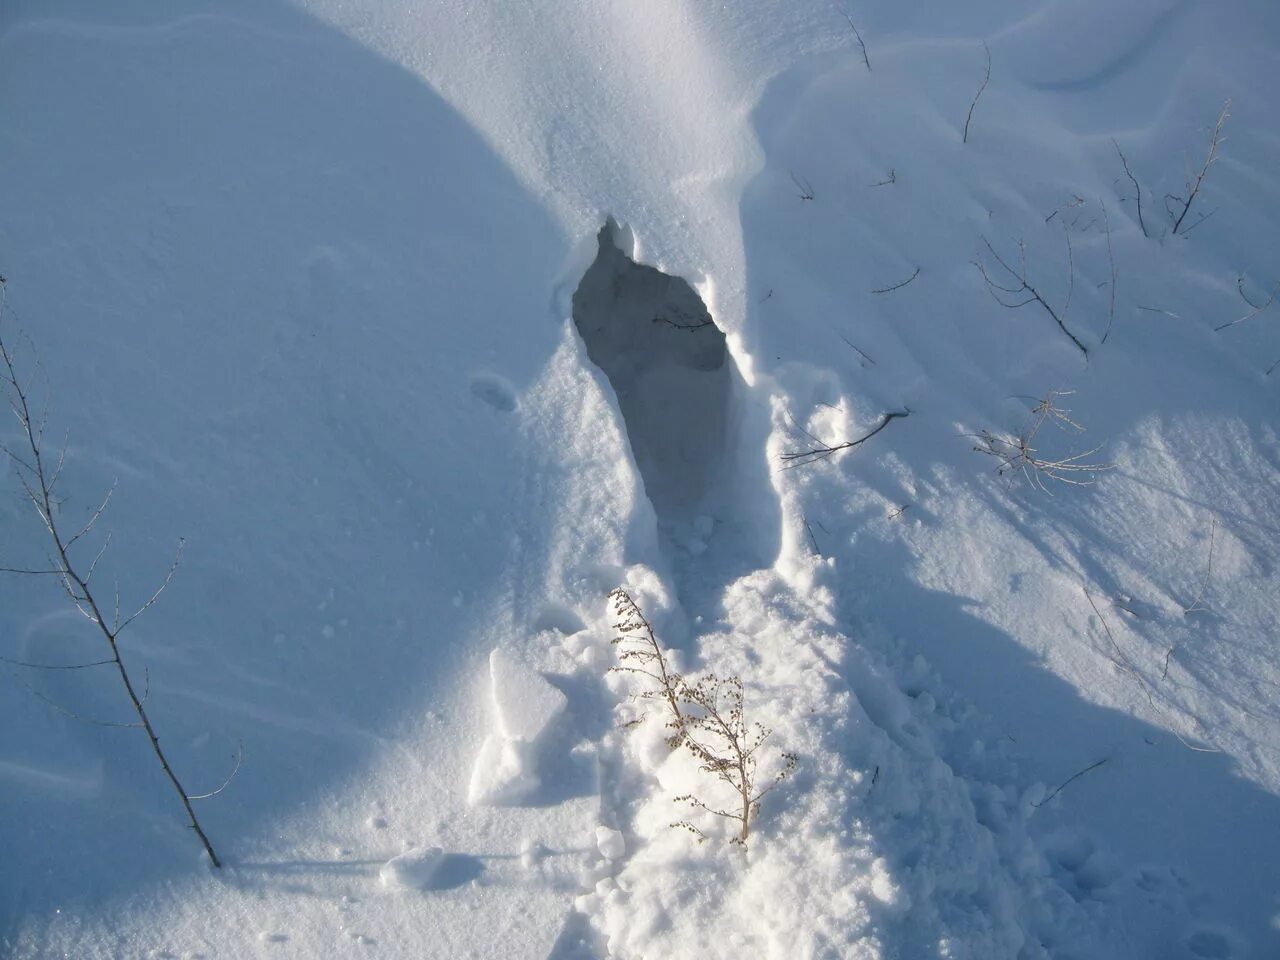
39,472
705,717
1179,206
1013,297
1018,453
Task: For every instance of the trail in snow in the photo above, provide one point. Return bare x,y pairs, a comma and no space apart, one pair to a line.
313,301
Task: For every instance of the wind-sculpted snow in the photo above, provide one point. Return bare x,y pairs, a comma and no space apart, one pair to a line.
320,286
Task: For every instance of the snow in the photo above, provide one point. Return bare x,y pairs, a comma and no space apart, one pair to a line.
359,300
415,869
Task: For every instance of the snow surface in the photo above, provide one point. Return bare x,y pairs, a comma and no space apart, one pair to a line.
301,278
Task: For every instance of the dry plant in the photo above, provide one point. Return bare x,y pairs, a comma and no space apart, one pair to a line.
39,472
705,717
1018,453
1013,297
1178,207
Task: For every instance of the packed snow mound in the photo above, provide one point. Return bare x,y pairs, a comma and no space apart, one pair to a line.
524,703
320,283
416,869
524,706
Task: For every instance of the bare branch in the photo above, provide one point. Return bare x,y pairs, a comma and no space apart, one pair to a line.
227,782
860,352
898,286
173,568
1257,307
985,80
1074,776
56,666
856,34
1111,260
1197,605
822,452
1193,187
1024,290
1137,190
37,482
803,185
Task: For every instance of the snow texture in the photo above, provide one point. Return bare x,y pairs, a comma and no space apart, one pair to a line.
425,325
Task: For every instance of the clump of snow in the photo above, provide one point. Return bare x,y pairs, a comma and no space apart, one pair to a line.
611,843
415,869
524,705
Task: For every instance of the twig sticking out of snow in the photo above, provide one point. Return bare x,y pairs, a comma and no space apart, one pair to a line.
1013,297
1257,307
898,286
822,452
39,475
1193,186
985,80
706,717
857,35
1074,776
1137,190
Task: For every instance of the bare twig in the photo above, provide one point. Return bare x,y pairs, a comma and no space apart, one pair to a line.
1193,186
1111,260
227,782
825,450
1014,297
985,80
1137,190
37,478
856,34
1075,776
684,321
1257,307
887,181
898,286
858,350
803,185
812,539
55,666
1197,605
1128,665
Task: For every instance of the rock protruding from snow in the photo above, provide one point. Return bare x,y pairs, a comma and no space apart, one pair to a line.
416,869
524,706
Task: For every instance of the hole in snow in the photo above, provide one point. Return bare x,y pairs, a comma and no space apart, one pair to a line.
669,366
